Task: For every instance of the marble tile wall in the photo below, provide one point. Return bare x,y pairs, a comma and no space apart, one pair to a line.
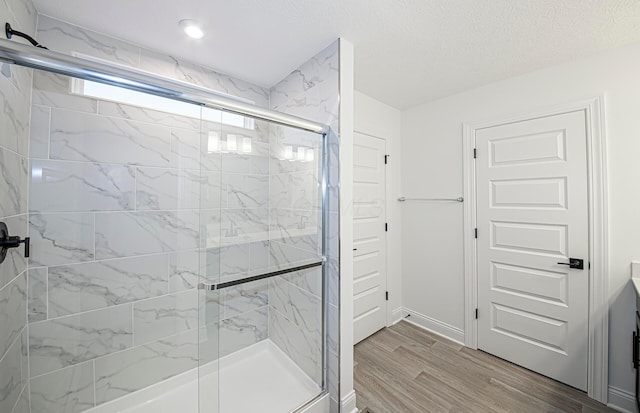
129,210
312,92
15,104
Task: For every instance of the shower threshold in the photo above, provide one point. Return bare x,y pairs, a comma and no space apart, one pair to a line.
258,378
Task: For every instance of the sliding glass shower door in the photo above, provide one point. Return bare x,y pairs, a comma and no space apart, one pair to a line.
176,255
262,325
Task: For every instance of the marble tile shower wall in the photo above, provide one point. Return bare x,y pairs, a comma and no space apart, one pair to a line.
127,209
312,92
15,97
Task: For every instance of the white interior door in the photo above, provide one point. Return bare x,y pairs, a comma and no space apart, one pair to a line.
369,255
532,216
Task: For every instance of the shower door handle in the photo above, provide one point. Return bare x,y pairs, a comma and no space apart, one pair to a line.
206,287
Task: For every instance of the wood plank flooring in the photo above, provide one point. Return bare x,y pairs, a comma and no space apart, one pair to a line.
405,369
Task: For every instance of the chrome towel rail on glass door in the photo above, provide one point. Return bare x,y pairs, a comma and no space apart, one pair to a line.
404,199
227,284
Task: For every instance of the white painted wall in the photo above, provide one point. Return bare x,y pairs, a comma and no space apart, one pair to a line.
375,118
432,259
348,402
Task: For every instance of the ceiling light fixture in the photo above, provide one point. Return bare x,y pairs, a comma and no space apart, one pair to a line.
191,28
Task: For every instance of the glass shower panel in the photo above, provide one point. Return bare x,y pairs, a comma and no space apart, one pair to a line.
115,220
262,335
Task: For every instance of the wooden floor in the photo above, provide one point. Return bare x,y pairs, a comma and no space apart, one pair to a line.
404,368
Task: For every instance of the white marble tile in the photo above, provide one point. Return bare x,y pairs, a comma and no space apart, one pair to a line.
37,294
13,376
244,225
299,228
212,264
243,330
20,77
333,329
309,280
303,349
256,162
25,14
333,372
54,91
300,307
281,191
201,76
209,343
122,110
211,309
245,191
209,158
125,234
245,297
22,405
210,190
292,141
58,186
261,129
312,105
14,117
165,316
80,136
15,262
69,390
66,38
184,269
13,183
39,132
185,151
125,372
61,238
210,228
306,190
66,341
240,259
89,286
13,311
318,69
160,188
283,255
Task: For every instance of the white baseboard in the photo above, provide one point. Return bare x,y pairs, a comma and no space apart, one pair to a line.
396,316
438,327
622,400
348,404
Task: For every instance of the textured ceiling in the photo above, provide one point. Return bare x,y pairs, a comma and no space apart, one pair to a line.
407,51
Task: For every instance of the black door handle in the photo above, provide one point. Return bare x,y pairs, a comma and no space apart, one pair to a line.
576,263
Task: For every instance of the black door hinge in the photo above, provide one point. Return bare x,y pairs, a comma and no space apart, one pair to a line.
476,313
386,159
475,231
386,227
386,295
475,153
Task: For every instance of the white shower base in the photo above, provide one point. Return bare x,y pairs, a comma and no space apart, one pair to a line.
259,378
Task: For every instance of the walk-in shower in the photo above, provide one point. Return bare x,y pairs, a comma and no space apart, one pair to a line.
178,246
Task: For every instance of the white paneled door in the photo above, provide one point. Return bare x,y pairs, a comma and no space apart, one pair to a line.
369,255
532,220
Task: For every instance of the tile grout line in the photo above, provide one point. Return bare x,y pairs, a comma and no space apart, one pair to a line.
94,382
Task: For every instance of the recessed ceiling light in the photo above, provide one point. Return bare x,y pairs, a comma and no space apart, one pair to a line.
191,28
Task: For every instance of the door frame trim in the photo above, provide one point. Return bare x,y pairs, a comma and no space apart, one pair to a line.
598,351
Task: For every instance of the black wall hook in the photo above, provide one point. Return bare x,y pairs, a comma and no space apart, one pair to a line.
8,30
